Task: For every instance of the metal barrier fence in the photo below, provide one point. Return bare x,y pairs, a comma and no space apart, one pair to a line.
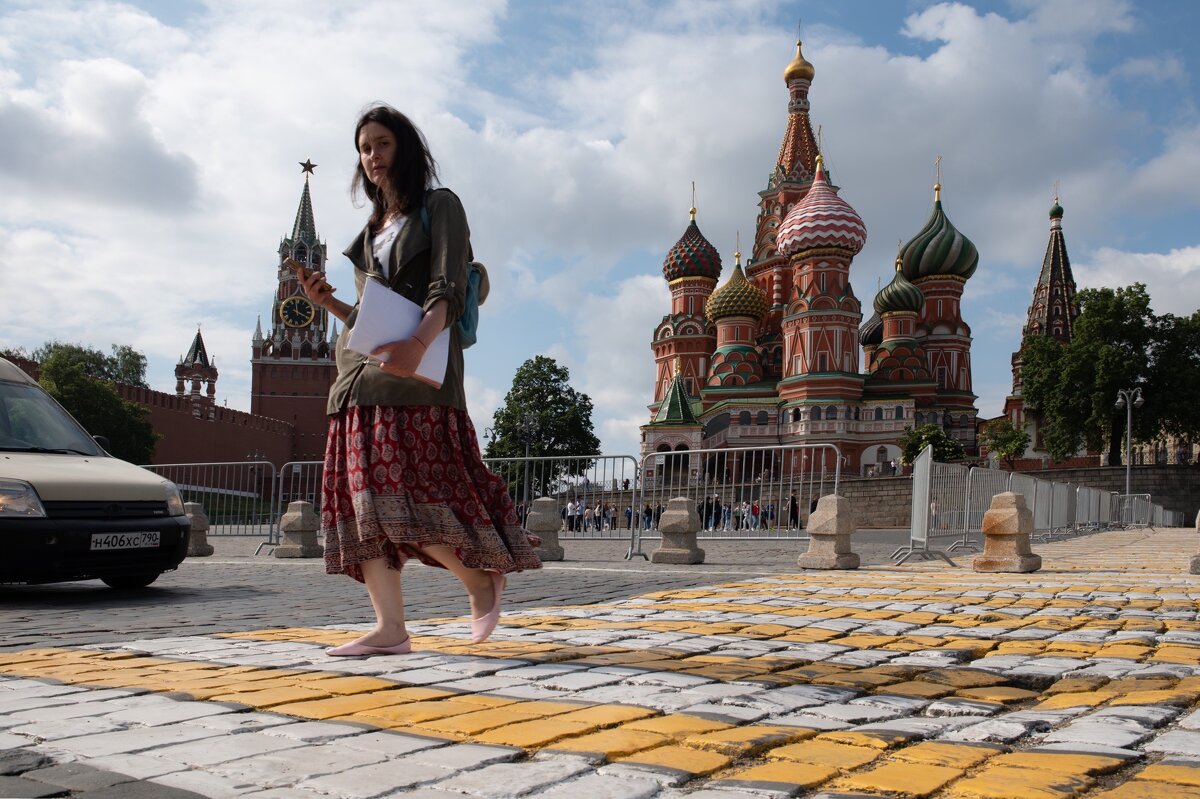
751,494
1059,509
238,497
595,493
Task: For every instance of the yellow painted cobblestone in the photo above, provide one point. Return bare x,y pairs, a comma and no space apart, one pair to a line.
915,780
784,774
682,759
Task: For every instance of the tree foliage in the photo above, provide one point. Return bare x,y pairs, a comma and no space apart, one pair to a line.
544,417
1117,343
96,405
916,439
1005,439
125,365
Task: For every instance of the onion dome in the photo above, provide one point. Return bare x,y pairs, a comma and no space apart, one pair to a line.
939,249
692,256
738,297
871,333
899,295
1056,210
822,220
798,68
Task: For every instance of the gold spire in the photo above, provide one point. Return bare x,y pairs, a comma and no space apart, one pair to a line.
937,186
899,249
692,210
737,254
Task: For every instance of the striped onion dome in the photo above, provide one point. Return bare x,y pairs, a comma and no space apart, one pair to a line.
939,249
738,297
692,256
871,333
899,295
822,220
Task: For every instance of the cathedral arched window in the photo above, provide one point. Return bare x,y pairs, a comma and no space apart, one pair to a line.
899,412
964,420
796,415
816,413
878,414
831,413
285,350
306,350
316,258
919,419
762,417
744,418
300,253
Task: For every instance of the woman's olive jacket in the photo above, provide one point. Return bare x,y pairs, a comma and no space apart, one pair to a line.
425,268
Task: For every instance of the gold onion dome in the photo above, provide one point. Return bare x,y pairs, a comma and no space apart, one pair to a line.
939,249
899,295
692,256
738,297
798,68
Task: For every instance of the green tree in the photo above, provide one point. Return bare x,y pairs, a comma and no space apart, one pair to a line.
916,439
1172,393
1002,437
96,405
542,416
125,365
1072,388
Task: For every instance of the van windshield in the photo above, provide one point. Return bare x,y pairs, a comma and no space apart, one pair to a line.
31,421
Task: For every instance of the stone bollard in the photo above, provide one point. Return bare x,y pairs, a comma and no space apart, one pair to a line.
1007,526
678,525
1195,565
545,520
198,546
299,528
830,528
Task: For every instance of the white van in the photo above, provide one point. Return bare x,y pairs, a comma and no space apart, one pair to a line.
69,510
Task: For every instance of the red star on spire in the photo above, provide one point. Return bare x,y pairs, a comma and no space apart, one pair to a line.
307,165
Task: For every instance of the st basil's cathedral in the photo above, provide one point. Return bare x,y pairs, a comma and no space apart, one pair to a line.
772,356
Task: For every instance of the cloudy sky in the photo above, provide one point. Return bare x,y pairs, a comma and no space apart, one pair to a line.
148,165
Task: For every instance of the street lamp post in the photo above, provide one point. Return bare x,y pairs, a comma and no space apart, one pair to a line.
528,426
1128,398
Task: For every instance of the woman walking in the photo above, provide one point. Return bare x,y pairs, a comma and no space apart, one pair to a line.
403,474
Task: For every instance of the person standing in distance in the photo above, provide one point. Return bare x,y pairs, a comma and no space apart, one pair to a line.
404,477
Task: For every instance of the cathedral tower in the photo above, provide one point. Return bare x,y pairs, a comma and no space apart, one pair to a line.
196,370
292,363
691,270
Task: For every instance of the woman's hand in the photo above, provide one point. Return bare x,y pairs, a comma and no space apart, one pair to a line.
403,356
316,289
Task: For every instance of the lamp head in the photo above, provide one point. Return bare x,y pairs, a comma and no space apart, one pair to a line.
1120,402
1137,403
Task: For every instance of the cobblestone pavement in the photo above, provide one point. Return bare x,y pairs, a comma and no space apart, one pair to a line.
728,680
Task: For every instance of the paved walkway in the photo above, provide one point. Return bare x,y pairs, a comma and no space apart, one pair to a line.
923,680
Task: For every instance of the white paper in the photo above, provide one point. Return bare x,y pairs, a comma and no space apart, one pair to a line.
385,316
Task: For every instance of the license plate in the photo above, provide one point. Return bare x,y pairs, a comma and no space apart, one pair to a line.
144,540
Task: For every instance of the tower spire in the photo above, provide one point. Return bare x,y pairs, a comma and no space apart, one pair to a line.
305,227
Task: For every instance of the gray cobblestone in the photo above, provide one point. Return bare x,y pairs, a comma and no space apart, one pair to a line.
506,780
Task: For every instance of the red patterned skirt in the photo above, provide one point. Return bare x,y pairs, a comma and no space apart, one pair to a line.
399,478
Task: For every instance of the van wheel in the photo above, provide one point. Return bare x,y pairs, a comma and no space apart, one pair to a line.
130,580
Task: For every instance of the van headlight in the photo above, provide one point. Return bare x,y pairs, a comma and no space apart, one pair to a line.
18,498
174,499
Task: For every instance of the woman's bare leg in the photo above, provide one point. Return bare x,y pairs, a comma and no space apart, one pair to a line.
478,582
387,597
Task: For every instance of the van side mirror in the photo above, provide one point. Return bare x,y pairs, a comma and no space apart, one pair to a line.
102,441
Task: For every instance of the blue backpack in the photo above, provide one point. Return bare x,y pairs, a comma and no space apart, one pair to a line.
468,323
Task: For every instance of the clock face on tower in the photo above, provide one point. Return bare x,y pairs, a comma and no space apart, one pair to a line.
297,312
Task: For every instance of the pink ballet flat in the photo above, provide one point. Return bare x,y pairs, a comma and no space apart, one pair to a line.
482,627
357,650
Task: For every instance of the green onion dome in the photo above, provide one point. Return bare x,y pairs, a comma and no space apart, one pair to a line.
1056,210
939,249
692,256
871,333
738,297
899,295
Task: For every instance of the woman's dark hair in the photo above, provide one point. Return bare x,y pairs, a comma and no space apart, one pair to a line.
413,169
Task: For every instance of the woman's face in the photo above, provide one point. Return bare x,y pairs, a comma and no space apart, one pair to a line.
376,149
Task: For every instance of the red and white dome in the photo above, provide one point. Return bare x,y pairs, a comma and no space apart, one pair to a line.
822,220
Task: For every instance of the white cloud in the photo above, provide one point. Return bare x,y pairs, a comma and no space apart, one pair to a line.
1172,278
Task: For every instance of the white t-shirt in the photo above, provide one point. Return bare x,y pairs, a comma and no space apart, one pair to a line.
384,240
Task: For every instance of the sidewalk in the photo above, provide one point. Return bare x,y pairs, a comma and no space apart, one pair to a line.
923,680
